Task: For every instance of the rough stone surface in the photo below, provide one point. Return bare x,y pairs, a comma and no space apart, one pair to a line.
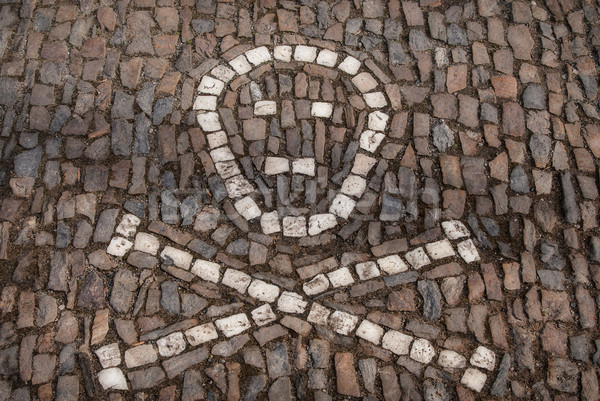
299,200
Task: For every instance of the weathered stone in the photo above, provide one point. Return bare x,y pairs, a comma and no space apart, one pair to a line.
347,381
124,285
277,361
146,378
92,293
432,308
563,375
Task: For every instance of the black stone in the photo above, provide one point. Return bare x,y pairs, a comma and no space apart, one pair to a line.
9,361
122,294
277,361
499,387
145,98
141,144
188,209
135,207
10,91
569,201
105,225
207,251
519,182
432,299
254,386
401,278
91,294
162,108
170,297
456,36
27,162
217,188
121,137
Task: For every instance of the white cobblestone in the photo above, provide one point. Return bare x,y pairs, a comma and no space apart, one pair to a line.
441,57
354,185
180,258
294,226
440,249
263,291
290,302
417,258
367,270
233,325
205,103
201,334
211,86
422,351
209,122
378,121
342,206
238,186
318,314
171,345
451,360
265,108
269,222
397,342
375,100
237,280
207,270
467,251
248,208
317,285
321,222
259,55
305,53
474,379
327,58
216,139
118,246
263,315
392,264
370,331
221,154
455,229
109,355
147,243
350,65
342,323
283,53
483,358
370,140
112,379
227,169
305,166
223,73
128,225
340,277
276,165
240,64
321,109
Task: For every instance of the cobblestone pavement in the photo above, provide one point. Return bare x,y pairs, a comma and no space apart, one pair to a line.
299,200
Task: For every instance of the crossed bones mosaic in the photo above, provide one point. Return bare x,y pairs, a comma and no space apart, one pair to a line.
315,278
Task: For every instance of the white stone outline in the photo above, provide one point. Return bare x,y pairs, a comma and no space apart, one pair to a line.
238,186
341,322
